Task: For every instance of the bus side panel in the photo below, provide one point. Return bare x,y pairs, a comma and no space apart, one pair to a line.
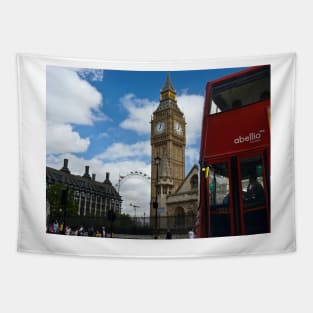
237,130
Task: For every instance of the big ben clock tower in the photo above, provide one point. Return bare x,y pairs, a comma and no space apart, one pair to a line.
168,141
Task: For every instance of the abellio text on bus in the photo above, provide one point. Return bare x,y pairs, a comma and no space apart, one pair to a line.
235,155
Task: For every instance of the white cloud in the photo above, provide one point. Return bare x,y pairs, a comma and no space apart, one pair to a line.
133,190
139,114
192,107
70,99
91,74
192,155
62,139
119,150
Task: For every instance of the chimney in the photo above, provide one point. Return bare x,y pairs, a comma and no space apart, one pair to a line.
86,174
65,166
107,178
93,177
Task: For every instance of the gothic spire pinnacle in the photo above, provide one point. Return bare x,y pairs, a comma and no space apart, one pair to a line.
168,83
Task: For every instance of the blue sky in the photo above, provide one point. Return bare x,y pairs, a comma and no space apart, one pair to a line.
101,118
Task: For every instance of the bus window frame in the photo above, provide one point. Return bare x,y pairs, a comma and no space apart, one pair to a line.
210,162
261,152
243,155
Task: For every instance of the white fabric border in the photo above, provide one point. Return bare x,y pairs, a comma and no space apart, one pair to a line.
32,131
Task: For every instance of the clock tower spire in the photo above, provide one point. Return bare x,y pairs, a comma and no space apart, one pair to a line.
168,84
168,141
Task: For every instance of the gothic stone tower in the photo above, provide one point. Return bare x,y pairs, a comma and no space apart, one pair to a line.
168,141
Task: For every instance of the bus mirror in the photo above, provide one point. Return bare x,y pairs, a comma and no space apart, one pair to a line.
206,171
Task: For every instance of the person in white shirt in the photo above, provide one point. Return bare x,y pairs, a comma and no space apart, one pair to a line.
191,234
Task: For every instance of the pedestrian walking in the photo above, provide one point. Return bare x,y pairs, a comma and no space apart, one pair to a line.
168,234
81,231
67,230
56,227
91,231
61,228
191,234
51,228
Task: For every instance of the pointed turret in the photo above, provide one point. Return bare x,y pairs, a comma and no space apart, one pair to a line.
168,84
168,95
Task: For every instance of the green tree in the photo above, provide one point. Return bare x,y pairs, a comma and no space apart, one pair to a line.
72,204
54,197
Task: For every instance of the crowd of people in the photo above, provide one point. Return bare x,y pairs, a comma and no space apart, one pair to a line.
59,228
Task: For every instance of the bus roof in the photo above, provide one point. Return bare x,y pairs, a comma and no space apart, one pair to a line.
236,75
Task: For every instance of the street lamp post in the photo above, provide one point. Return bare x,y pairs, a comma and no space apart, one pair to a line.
157,161
144,219
135,217
135,207
111,214
64,202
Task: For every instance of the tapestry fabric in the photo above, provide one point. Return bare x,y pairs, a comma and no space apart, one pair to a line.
156,159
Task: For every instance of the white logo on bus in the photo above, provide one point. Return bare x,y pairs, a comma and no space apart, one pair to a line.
252,137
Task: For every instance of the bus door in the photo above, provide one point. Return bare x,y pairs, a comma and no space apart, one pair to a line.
253,182
238,195
220,217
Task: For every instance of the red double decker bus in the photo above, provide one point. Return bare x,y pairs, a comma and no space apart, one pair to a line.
235,155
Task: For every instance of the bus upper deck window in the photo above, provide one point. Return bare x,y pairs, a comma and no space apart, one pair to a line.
240,91
236,104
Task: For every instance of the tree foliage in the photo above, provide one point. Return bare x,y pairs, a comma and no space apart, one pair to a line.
54,197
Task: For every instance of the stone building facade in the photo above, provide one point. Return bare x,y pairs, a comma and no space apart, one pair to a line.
176,195
93,198
183,204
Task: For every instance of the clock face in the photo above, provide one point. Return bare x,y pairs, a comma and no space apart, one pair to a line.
159,128
178,128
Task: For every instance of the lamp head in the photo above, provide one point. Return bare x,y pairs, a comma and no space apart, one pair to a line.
157,160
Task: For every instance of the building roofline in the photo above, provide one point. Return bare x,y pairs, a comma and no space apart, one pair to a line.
189,173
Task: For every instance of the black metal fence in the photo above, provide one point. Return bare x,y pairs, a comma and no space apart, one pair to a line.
143,225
